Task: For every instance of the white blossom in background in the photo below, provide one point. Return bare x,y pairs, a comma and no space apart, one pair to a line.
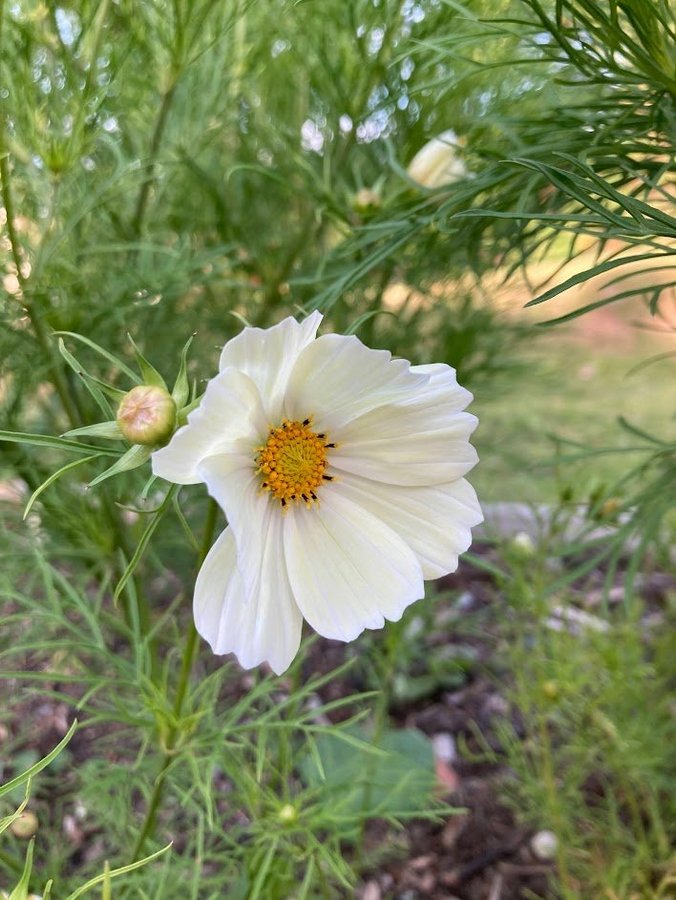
341,473
437,163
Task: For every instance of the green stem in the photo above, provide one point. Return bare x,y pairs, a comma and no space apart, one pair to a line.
189,652
58,377
149,180
555,814
379,722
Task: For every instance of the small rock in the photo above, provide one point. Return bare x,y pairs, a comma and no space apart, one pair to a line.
371,891
421,862
444,747
544,845
496,705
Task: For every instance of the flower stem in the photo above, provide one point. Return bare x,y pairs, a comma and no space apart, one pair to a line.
149,180
189,651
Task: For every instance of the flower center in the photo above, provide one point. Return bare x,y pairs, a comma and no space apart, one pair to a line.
293,462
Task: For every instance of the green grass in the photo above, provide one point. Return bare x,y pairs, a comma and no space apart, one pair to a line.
575,392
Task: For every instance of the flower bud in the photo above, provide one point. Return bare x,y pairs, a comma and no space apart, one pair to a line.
366,200
438,163
147,415
287,814
522,544
25,826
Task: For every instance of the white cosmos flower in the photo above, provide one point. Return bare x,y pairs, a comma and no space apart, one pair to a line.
340,471
437,163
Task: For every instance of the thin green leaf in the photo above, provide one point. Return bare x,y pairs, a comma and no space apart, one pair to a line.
149,373
20,892
134,457
102,352
123,870
53,477
108,430
54,443
7,820
143,542
97,388
40,764
181,389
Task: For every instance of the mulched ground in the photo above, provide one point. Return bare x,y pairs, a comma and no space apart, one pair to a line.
481,853
484,853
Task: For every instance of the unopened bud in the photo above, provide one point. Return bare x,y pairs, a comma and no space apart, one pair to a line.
288,814
551,690
523,544
366,200
25,826
147,415
610,508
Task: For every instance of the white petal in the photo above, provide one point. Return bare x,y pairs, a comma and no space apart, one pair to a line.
229,418
232,481
267,356
337,378
421,439
427,457
434,521
261,625
348,570
442,387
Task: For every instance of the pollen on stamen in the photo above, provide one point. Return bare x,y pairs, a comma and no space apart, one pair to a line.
293,462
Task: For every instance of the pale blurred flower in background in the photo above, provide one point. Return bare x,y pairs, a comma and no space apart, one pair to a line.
438,163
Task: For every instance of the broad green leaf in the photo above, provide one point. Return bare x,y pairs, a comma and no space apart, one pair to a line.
398,779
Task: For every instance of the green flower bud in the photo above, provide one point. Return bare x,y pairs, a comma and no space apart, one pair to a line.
25,826
147,415
287,814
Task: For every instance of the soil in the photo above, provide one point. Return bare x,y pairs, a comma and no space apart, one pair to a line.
482,852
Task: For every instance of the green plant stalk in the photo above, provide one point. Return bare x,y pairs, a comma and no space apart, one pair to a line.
149,180
549,780
188,659
39,329
59,379
380,720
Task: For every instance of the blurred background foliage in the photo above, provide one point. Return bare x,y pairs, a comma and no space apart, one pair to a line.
170,168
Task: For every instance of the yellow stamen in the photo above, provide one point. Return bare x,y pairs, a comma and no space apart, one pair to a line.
293,463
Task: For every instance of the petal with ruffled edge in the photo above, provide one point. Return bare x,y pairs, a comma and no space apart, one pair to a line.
348,570
262,624
410,457
230,418
267,356
422,439
434,521
337,378
442,388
